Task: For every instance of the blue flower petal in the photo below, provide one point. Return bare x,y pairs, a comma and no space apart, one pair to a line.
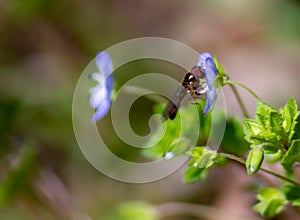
100,98
109,84
98,94
102,110
203,59
210,73
104,63
207,65
210,100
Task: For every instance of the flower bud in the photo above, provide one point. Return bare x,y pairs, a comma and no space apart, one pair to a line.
254,160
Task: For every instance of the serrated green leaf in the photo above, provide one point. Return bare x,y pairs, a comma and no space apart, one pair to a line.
194,174
276,125
270,122
254,160
292,155
268,126
251,129
202,157
289,114
263,114
271,202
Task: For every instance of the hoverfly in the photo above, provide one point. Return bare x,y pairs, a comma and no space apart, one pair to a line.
193,85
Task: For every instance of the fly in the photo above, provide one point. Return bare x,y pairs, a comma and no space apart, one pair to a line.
193,85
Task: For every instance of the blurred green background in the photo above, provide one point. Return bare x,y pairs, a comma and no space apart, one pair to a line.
46,44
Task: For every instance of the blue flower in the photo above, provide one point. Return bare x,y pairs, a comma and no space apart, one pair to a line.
100,95
208,67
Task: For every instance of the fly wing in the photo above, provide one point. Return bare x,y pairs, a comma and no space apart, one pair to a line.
172,107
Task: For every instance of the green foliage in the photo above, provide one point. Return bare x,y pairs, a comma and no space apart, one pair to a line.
272,158
266,128
271,202
17,177
135,210
173,137
290,115
292,193
233,141
274,131
202,157
194,174
254,160
271,135
292,155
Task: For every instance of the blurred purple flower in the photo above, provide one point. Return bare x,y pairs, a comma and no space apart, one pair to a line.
100,98
208,67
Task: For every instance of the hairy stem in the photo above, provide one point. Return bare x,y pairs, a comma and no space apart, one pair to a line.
242,161
232,82
240,101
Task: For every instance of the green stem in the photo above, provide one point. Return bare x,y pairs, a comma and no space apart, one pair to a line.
240,101
242,161
232,82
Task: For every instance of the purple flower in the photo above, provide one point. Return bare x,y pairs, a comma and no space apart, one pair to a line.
208,67
100,95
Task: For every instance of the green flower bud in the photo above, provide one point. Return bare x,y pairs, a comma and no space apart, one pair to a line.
254,160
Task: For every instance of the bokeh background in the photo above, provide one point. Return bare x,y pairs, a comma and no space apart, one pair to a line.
46,44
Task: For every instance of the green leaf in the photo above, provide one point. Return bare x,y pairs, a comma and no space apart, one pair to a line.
268,126
254,160
289,114
276,125
194,174
252,130
270,122
233,137
202,157
173,137
136,210
271,202
291,192
292,155
263,112
296,202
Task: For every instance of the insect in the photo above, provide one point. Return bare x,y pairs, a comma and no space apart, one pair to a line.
193,85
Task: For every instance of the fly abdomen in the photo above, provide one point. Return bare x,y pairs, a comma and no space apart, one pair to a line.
170,111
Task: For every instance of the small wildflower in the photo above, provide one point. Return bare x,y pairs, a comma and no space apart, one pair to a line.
100,95
208,67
